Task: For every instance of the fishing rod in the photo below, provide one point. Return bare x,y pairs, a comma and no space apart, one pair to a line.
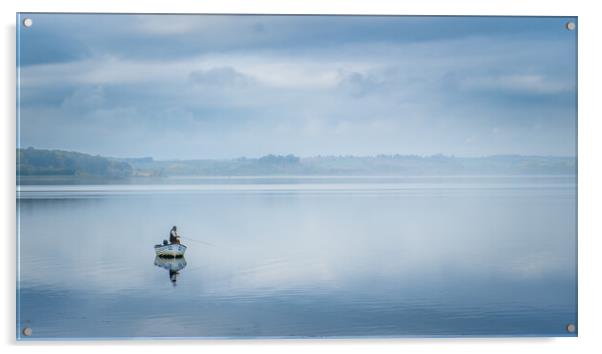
199,241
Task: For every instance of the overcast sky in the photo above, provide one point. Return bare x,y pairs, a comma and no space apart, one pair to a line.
230,86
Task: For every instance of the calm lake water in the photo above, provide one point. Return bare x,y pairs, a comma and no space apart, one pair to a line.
300,257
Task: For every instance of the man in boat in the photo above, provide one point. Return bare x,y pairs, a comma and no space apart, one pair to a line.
173,236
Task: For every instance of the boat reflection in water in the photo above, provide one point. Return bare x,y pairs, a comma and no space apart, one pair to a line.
173,265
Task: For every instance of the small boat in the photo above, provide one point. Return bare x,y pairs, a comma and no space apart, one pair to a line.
174,250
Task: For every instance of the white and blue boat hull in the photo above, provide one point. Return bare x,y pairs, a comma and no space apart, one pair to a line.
170,251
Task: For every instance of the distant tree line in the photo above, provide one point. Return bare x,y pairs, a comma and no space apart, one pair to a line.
363,165
37,162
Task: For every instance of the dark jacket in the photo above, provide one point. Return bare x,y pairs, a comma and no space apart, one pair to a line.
173,237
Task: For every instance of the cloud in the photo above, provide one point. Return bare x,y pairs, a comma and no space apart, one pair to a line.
228,86
358,84
84,99
171,24
520,83
222,77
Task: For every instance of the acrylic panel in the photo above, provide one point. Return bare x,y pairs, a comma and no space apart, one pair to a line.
254,176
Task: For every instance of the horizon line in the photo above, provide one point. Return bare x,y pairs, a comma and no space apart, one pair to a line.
303,157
